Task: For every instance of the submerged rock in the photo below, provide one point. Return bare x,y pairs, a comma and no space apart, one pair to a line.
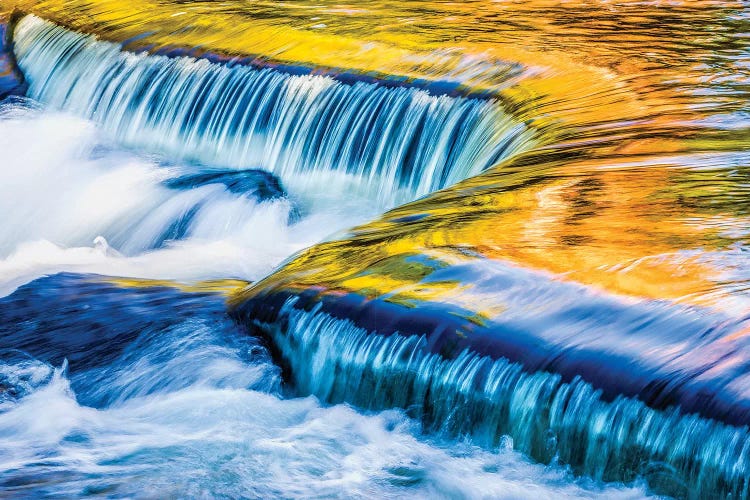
258,184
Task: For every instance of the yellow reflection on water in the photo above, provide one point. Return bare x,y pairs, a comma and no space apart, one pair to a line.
588,61
646,229
227,287
640,182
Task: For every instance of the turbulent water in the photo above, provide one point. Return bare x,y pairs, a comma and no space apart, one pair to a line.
142,184
163,395
75,201
153,392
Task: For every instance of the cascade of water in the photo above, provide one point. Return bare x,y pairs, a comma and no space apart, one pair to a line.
162,392
546,417
395,139
74,189
157,384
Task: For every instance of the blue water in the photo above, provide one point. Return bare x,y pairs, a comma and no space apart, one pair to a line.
155,392
464,393
127,165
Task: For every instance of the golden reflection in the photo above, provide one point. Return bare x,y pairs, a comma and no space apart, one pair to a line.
638,187
228,287
583,62
643,231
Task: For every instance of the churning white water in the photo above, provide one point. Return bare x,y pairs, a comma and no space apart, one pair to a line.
190,406
113,392
208,441
191,409
71,201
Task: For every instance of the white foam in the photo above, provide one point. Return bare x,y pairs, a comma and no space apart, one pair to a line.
70,202
207,441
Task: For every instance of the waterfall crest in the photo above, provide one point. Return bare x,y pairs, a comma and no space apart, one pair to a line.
394,139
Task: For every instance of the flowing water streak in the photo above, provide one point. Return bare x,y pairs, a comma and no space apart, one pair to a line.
547,418
62,188
391,137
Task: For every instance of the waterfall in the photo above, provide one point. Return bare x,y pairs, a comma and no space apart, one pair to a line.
76,189
204,291
394,139
546,417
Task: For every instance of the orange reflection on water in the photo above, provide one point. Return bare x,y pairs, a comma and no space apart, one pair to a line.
632,103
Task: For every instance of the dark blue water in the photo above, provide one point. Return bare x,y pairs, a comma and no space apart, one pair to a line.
142,392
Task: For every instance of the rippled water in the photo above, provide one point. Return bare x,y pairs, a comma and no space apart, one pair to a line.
532,280
151,392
